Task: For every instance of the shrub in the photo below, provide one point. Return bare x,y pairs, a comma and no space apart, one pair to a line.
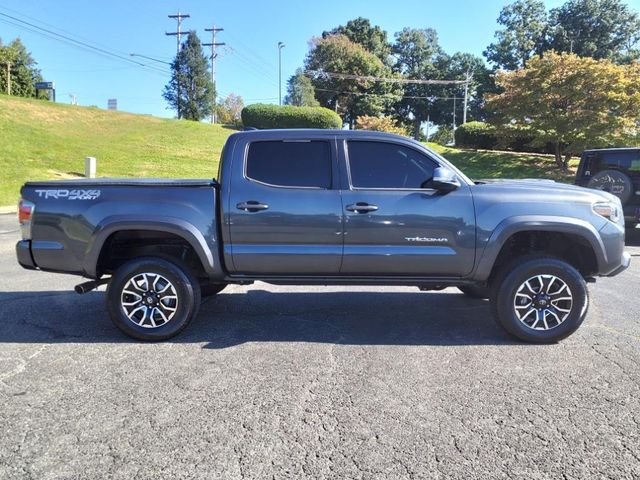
476,135
260,115
442,136
379,124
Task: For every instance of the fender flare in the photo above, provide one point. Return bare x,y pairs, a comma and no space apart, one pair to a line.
536,223
176,226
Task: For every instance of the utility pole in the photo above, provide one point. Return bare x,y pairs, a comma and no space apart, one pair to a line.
280,47
8,78
213,46
178,34
454,119
428,121
466,92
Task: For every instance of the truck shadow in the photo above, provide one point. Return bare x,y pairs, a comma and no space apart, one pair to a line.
244,316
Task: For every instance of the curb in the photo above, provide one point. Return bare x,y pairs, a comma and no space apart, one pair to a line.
8,210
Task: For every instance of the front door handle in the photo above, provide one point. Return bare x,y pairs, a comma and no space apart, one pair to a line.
251,206
361,207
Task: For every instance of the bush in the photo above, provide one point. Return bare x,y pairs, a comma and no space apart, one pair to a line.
442,136
476,135
260,115
379,124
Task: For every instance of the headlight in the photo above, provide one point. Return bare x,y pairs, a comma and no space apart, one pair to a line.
610,211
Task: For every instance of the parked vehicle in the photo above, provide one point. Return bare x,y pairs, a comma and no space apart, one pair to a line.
326,207
614,170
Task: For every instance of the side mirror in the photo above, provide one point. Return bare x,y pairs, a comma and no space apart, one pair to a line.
444,180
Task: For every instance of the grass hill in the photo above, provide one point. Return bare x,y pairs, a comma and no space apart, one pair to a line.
41,140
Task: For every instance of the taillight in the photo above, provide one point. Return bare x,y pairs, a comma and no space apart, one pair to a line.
25,212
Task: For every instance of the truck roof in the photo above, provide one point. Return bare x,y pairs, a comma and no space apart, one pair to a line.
617,149
320,132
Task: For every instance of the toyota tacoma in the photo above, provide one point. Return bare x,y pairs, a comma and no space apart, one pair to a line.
323,207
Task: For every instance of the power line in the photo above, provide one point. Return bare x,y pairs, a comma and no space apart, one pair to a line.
365,94
41,22
249,68
268,74
268,66
64,38
348,76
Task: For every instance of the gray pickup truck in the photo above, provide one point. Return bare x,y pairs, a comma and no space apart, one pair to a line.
326,207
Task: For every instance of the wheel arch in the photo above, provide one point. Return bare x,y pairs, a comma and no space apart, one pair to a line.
535,225
170,225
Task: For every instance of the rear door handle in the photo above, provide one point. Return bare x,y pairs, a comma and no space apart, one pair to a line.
251,206
361,207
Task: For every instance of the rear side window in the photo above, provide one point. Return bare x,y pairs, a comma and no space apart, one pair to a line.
290,164
628,160
388,165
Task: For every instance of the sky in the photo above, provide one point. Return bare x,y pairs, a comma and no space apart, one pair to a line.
247,65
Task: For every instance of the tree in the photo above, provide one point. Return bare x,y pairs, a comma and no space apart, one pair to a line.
228,111
300,91
379,124
523,35
416,52
360,31
349,97
595,28
24,73
190,90
450,97
570,101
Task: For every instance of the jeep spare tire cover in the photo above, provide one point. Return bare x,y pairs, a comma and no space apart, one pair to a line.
613,181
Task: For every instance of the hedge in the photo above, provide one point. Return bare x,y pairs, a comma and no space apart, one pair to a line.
476,135
260,115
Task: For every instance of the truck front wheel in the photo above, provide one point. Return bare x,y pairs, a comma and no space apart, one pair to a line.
540,299
152,299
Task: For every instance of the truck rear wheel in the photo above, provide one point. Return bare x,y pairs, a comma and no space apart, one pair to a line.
152,299
540,299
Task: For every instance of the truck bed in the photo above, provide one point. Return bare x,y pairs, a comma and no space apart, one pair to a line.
116,182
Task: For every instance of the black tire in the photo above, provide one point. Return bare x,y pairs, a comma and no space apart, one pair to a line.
210,289
476,291
613,181
179,312
512,279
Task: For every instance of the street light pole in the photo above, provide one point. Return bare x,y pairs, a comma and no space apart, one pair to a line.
280,47
149,58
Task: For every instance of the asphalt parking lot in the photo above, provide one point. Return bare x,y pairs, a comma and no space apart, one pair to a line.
314,382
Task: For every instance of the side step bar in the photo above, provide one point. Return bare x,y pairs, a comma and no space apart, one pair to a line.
88,286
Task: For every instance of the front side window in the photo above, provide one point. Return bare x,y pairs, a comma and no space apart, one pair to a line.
290,164
388,165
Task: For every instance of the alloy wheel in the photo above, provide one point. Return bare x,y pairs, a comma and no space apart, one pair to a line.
149,300
543,302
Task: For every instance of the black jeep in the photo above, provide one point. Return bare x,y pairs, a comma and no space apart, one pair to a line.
614,170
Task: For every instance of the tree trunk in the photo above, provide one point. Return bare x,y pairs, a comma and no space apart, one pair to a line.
558,157
567,157
416,128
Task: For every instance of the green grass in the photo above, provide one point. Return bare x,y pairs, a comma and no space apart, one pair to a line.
484,164
40,140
